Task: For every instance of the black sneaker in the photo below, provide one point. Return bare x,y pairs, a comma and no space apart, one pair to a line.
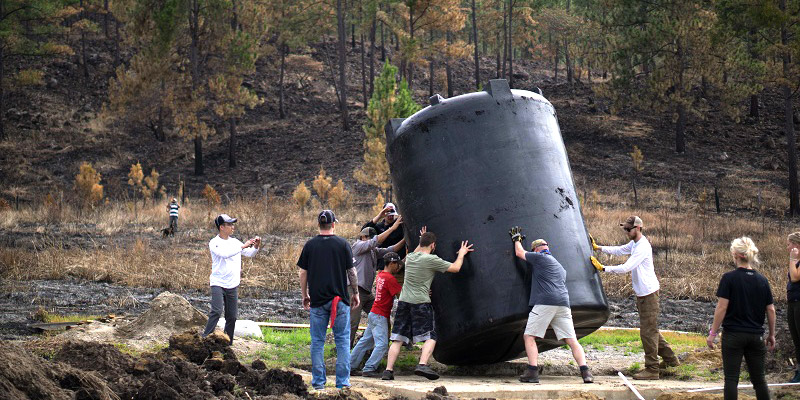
355,372
388,375
530,376
796,378
587,376
370,374
426,371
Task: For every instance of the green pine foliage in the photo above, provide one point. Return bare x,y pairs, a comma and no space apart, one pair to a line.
389,100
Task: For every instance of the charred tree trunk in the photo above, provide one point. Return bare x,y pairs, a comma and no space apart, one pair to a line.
680,126
194,59
105,19
511,42
363,73
232,143
84,64
281,90
449,71
383,43
2,93
430,68
505,39
753,98
475,39
409,64
372,56
340,16
788,121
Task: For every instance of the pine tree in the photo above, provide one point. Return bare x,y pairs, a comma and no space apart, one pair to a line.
389,100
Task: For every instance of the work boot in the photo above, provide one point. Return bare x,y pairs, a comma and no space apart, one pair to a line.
530,376
426,371
388,375
647,374
672,363
370,374
587,376
796,378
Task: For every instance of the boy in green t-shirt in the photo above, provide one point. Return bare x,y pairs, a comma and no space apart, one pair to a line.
413,320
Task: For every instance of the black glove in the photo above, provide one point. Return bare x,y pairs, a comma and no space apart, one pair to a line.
516,234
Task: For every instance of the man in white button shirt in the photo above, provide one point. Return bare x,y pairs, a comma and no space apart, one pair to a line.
646,286
226,270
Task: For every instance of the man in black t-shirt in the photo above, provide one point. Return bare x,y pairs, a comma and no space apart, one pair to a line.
329,286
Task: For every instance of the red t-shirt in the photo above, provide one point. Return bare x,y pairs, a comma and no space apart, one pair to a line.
386,287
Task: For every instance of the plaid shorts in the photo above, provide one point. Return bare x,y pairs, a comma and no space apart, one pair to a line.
413,323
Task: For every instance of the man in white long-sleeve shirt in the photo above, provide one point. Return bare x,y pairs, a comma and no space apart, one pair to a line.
646,286
226,270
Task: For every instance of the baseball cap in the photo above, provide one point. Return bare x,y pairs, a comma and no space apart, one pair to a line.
394,209
224,218
538,242
326,217
632,221
390,257
368,232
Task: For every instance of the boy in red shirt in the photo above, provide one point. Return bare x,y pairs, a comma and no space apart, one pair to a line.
377,333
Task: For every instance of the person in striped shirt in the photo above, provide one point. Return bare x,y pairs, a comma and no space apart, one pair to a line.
173,207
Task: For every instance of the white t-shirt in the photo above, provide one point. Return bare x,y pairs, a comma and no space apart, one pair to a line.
226,261
640,264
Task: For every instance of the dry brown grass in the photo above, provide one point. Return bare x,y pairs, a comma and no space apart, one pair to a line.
131,252
691,249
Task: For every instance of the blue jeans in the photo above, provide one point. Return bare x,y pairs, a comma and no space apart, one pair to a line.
320,316
377,334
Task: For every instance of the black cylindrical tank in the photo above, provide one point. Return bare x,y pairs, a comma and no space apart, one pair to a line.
470,168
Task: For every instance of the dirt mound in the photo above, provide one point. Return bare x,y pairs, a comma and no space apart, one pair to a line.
711,359
341,394
168,314
192,367
27,376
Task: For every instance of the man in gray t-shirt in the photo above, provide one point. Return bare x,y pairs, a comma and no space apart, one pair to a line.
550,305
365,256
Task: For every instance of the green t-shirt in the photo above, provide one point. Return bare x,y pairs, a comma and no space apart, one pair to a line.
420,269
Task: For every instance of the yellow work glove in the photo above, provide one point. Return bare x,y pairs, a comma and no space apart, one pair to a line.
595,247
516,234
597,265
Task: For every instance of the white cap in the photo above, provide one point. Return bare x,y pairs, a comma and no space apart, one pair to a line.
394,209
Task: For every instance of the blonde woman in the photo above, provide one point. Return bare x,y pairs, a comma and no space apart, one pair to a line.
745,298
793,298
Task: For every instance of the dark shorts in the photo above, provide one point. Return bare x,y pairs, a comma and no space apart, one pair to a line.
413,323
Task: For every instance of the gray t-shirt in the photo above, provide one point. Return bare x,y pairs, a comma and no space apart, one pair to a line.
547,280
365,257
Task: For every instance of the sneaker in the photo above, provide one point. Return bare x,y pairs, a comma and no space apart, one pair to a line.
426,371
370,374
530,376
669,363
587,376
319,388
388,375
647,374
355,372
796,378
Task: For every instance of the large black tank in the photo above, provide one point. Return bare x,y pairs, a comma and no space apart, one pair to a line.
470,168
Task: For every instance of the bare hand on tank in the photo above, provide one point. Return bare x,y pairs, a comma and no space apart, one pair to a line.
465,248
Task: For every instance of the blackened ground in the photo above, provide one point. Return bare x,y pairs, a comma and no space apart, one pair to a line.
20,299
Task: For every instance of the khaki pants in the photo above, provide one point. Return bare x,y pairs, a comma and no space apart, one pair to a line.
367,299
653,343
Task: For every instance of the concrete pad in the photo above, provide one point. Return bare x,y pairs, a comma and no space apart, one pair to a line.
551,387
